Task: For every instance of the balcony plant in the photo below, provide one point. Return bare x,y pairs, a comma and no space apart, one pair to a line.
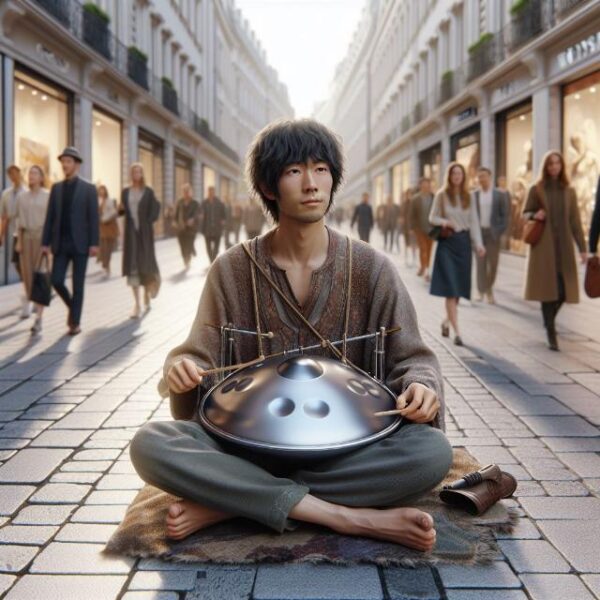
137,66
59,9
481,55
446,86
95,29
169,95
526,21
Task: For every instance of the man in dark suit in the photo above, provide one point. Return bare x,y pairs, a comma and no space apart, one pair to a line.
363,215
213,216
71,231
493,208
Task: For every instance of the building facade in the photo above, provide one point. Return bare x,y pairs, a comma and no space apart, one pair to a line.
484,82
181,86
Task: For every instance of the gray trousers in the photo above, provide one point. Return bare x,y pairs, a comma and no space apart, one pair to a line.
179,457
487,266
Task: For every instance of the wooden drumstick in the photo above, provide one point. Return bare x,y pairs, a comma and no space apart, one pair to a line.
388,413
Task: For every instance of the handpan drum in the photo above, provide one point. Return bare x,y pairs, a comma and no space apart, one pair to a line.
300,407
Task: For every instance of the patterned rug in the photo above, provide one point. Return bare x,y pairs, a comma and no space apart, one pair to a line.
461,538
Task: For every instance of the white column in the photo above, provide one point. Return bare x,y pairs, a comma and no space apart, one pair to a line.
175,67
132,148
169,173
487,133
167,60
7,131
443,123
197,176
546,124
83,134
157,50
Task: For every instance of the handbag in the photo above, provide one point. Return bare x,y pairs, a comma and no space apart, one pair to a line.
40,288
592,277
533,228
441,232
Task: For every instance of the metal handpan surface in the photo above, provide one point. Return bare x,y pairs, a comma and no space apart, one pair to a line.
301,407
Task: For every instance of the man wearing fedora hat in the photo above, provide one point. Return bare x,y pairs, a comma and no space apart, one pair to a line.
71,232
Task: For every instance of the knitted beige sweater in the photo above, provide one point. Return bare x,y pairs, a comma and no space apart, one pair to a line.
378,299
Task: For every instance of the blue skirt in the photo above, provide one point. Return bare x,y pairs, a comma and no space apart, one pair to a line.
451,276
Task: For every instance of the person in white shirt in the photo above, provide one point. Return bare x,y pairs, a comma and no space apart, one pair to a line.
493,209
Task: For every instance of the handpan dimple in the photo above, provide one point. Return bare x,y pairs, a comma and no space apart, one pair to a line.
281,407
372,390
300,369
316,408
356,386
229,386
242,384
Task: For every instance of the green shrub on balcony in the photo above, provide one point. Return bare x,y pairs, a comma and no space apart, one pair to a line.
136,54
137,67
484,39
167,83
518,6
94,9
447,75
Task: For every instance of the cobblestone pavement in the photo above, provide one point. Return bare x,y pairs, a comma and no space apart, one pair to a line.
68,408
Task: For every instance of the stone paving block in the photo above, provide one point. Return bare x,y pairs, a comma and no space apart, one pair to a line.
98,444
100,514
28,535
14,558
529,488
492,454
13,443
163,580
23,429
6,454
410,584
49,412
102,454
326,582
517,471
592,581
514,442
5,582
533,556
561,427
148,595
486,595
85,532
88,466
577,541
120,482
72,438
555,587
12,496
91,420
60,493
156,564
67,587
562,508
525,529
32,465
97,403
75,477
7,416
66,557
565,488
111,497
496,575
585,464
121,467
552,474
44,514
131,418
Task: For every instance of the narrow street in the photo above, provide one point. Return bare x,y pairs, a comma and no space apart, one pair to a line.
69,406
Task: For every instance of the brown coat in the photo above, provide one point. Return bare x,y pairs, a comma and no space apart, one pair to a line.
542,281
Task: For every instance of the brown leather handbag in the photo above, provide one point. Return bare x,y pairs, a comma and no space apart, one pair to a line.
592,277
533,228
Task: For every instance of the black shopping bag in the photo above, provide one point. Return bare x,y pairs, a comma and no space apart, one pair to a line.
40,289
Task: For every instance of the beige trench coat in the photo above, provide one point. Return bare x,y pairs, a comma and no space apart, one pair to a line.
541,282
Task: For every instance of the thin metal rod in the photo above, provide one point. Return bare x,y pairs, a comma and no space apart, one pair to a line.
268,334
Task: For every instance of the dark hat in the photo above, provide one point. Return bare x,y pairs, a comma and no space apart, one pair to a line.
13,167
72,152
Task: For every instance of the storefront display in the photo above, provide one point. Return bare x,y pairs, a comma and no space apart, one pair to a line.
107,152
464,148
183,174
430,165
514,154
400,180
151,156
378,189
209,179
581,140
41,124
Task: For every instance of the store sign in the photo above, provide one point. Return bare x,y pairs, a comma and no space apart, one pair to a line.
469,112
48,56
508,90
579,51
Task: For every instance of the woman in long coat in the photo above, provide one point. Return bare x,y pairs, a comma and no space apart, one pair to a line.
141,210
551,265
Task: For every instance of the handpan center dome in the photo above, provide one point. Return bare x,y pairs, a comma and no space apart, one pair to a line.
300,368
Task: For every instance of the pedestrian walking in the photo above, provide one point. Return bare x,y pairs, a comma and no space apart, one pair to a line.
71,231
595,223
410,244
363,217
235,222
213,219
9,226
551,265
253,218
186,223
418,222
493,210
391,214
32,205
141,210
453,211
109,228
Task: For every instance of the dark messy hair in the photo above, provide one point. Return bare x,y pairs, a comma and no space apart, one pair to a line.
287,142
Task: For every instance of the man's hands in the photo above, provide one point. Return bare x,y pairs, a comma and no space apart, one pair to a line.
418,403
184,376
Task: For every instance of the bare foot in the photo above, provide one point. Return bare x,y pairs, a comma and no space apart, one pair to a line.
185,517
407,526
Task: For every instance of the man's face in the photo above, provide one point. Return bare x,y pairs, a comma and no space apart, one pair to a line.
425,187
305,191
15,177
484,180
365,198
211,192
69,166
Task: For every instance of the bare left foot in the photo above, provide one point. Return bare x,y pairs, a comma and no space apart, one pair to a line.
185,517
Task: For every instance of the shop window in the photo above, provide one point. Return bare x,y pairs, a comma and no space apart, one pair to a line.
41,125
107,152
466,152
581,140
209,179
430,162
151,156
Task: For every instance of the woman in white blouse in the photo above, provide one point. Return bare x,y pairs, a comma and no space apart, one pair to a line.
31,213
456,214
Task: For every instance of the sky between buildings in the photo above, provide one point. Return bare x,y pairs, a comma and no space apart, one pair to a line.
304,41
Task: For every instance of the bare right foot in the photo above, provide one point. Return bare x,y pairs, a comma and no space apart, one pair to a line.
186,517
407,526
